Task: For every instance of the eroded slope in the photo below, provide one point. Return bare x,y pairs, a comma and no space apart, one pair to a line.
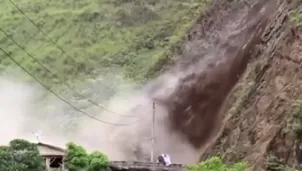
258,124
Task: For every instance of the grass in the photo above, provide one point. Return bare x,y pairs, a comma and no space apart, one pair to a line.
108,45
128,37
296,16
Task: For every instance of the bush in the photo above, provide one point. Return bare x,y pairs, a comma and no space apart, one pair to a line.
78,159
215,164
98,161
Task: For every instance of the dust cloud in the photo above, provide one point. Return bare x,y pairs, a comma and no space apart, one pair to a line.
20,110
128,137
188,98
16,100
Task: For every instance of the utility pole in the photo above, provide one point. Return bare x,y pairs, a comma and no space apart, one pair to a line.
153,131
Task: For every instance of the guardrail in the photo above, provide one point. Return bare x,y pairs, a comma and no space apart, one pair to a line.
136,165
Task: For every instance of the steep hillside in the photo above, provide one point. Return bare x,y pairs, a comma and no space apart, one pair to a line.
258,121
86,39
263,114
190,96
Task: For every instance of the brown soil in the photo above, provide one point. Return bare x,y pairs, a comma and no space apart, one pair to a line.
248,118
219,48
261,104
231,97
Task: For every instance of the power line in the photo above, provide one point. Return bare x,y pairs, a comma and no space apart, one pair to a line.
45,34
63,82
58,96
54,42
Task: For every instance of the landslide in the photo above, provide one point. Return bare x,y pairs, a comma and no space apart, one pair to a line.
215,56
261,120
219,111
212,65
190,96
207,97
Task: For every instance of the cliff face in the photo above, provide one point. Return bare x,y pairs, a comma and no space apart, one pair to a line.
213,102
216,54
259,111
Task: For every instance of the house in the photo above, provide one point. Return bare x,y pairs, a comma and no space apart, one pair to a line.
52,155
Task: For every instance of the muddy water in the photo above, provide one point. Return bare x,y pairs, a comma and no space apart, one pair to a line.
190,96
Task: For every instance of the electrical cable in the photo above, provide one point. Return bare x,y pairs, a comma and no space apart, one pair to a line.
63,82
59,97
45,34
59,47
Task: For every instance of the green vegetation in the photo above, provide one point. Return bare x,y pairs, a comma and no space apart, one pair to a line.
215,164
292,126
20,155
100,37
296,17
274,164
130,38
296,124
79,159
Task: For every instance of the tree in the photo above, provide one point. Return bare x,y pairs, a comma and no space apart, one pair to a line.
5,158
98,161
20,155
79,159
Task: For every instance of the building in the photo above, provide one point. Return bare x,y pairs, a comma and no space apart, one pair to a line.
52,155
